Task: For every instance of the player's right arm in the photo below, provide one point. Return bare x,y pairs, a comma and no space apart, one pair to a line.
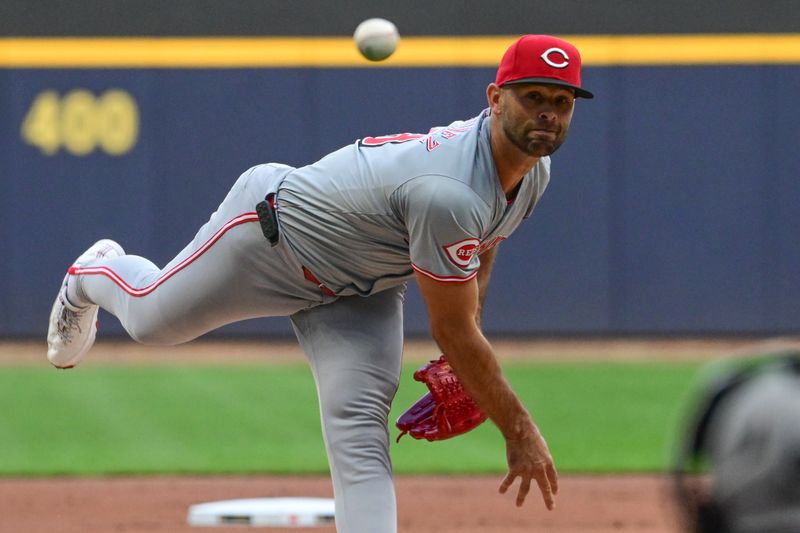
445,220
452,309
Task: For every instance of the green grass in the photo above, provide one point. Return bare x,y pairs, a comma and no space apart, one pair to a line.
233,419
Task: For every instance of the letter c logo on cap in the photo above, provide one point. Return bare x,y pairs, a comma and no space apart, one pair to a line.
546,57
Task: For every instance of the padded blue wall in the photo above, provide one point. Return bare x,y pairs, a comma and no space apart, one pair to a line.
673,207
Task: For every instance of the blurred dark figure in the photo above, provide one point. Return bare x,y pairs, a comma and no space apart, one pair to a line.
738,467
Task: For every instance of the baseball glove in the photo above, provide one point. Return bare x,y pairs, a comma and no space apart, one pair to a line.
444,412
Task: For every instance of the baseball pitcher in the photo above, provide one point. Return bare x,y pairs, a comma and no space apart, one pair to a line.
331,245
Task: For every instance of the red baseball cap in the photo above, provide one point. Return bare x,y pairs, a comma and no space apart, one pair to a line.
542,59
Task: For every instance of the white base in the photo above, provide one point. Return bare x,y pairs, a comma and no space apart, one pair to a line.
275,512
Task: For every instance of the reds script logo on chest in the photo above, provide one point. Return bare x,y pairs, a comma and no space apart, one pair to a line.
462,252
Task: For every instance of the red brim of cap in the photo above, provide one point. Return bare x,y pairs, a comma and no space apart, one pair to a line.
583,93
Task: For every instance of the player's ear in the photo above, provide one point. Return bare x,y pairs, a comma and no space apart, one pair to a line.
493,93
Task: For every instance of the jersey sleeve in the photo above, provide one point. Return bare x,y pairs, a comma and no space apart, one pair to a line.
444,218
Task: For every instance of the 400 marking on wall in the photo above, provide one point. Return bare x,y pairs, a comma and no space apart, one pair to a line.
81,122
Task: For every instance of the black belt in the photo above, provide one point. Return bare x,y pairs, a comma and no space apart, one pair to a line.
269,226
266,217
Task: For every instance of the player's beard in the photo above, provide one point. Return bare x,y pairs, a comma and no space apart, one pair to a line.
520,136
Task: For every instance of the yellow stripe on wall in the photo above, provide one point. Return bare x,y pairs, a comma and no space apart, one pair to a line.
473,51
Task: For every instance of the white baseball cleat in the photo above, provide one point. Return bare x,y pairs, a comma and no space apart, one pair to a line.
72,329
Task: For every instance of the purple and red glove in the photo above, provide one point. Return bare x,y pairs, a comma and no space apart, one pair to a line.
444,412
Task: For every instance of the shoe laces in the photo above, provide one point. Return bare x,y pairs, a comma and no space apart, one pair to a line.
69,322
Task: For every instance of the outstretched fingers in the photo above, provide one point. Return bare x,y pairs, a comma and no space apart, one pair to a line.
552,476
546,488
524,489
546,479
507,482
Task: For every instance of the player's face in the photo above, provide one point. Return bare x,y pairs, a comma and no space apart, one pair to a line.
536,118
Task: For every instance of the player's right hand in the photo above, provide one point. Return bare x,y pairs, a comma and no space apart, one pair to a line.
529,459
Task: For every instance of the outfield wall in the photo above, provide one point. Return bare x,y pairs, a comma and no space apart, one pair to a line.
673,207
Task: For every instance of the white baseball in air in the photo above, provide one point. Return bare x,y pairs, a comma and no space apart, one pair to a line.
376,38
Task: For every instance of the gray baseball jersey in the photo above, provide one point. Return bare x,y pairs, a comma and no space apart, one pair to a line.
366,216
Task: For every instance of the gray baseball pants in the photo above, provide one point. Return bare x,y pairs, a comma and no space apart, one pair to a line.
229,272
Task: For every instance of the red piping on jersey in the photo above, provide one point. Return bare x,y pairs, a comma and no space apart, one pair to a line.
450,279
105,271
